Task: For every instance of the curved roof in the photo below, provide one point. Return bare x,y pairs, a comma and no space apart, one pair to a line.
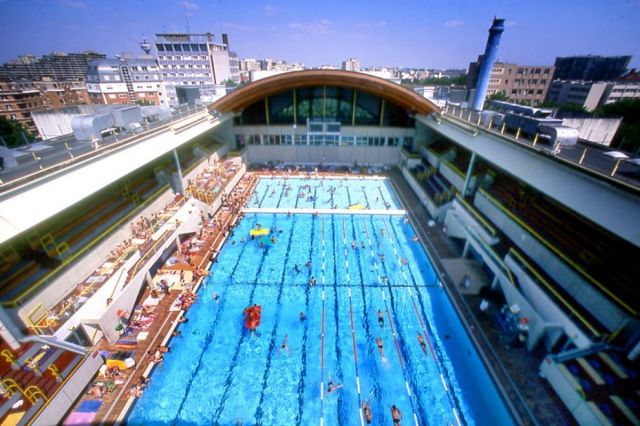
260,89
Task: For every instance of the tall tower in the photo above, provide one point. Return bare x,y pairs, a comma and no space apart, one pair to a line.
490,55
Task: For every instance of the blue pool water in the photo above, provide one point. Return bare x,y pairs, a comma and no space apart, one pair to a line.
216,373
323,193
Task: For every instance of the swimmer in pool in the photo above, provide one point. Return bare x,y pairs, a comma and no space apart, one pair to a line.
380,318
331,387
422,344
380,346
284,346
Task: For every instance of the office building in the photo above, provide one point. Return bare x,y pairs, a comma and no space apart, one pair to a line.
125,80
591,95
524,84
351,64
195,60
57,66
590,68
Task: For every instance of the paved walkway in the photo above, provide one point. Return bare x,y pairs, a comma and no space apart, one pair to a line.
515,370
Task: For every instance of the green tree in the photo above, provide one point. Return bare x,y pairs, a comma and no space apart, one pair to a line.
11,132
460,80
571,107
628,135
229,83
498,96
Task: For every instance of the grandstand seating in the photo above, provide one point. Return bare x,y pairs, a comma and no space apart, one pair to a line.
33,374
582,317
74,232
440,146
462,159
439,189
608,382
595,251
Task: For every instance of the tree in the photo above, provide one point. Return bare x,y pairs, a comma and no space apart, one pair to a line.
460,80
12,132
628,135
229,83
498,96
573,108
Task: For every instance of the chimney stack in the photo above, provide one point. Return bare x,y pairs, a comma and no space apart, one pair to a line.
490,55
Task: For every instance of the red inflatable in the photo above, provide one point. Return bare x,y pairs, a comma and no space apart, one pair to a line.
252,316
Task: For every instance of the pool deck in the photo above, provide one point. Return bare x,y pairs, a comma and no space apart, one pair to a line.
116,403
514,369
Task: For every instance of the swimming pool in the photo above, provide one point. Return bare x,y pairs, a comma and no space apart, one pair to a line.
218,374
327,193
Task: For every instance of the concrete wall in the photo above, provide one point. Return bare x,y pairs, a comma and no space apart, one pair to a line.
451,175
54,412
571,281
125,296
460,214
345,155
596,130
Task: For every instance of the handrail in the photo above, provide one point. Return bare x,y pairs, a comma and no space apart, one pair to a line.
458,121
558,253
64,382
474,212
145,256
553,291
131,139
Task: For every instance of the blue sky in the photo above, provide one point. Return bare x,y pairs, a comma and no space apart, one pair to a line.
437,34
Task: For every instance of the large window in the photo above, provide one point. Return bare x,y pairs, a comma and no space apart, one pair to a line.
281,108
341,104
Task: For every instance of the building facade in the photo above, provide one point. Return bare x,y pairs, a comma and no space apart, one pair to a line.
127,80
195,60
57,66
18,99
351,64
590,68
591,95
35,84
523,84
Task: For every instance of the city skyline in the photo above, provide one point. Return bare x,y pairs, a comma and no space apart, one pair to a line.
412,34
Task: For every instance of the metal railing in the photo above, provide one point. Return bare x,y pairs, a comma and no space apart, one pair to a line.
83,151
474,119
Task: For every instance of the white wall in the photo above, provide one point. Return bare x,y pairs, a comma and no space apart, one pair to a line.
56,123
596,130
